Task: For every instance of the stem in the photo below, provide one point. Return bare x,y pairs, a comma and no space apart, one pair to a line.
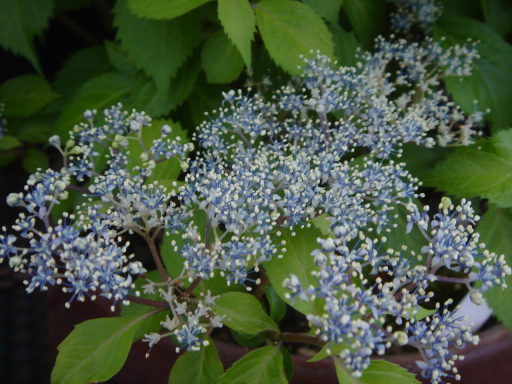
76,28
156,257
460,280
192,286
79,189
148,302
295,337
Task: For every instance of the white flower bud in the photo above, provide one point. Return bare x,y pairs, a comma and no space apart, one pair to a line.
54,140
14,199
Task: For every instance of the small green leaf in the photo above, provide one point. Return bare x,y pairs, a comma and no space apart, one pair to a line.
35,159
239,22
220,59
345,46
298,261
469,172
261,366
379,372
491,79
9,142
20,21
98,93
25,95
243,313
277,305
95,350
495,229
159,47
246,340
290,29
335,351
328,9
163,9
368,19
119,59
145,97
323,224
201,367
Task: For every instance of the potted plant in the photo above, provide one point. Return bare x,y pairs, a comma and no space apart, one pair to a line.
285,196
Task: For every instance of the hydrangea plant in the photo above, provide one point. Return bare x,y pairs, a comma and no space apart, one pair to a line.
295,190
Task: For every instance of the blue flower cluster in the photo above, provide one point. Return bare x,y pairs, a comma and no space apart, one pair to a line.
355,313
420,13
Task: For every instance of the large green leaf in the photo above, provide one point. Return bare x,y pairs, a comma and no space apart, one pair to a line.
297,261
9,142
35,159
261,366
328,9
367,18
243,313
495,230
36,129
491,79
220,59
20,21
290,29
239,22
379,372
98,93
25,95
159,47
276,304
205,97
163,9
201,367
119,58
95,350
485,172
498,15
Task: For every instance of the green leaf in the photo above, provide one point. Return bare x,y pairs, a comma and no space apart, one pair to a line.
98,93
469,172
145,97
9,142
323,224
159,47
419,159
20,21
35,129
368,19
498,15
379,372
239,22
491,79
205,97
163,9
35,159
345,46
168,169
220,59
79,68
298,261
495,229
25,95
290,29
247,340
182,84
328,9
152,323
466,8
335,349
119,59
243,313
201,367
414,240
261,366
95,350
277,305
289,367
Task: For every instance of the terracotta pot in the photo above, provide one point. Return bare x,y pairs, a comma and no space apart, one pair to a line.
488,362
